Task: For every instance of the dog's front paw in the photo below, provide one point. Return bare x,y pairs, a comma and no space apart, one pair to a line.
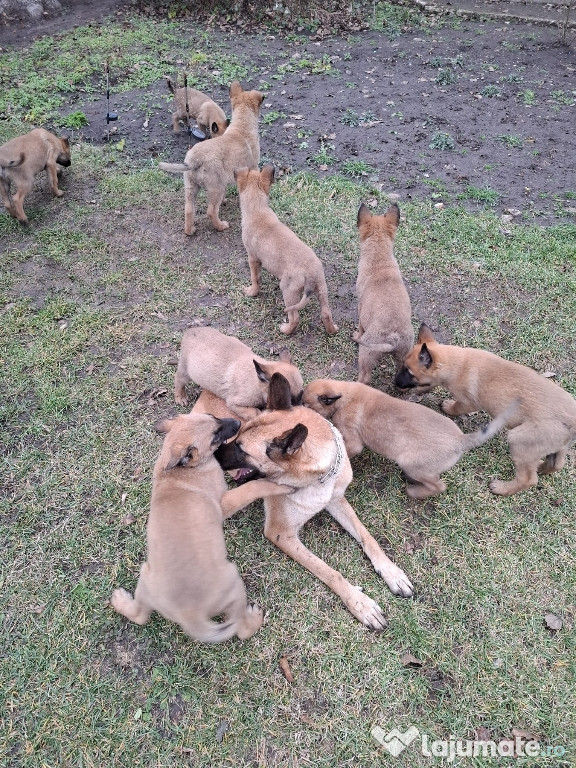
253,619
221,225
366,610
448,405
59,193
252,290
397,581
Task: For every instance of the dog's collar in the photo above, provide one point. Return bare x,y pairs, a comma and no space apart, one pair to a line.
340,451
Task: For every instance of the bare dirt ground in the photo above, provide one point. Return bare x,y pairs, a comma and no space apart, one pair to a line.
479,112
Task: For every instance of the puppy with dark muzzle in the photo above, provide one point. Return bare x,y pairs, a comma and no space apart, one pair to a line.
541,429
421,441
22,158
187,577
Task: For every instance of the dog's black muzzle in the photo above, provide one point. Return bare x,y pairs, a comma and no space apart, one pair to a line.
231,457
405,380
226,429
65,161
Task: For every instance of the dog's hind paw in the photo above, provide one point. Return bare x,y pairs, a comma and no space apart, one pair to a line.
397,581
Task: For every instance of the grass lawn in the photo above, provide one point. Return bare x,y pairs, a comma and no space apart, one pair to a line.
94,296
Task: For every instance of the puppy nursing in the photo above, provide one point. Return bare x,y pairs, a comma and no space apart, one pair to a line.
230,370
187,577
422,442
272,245
541,429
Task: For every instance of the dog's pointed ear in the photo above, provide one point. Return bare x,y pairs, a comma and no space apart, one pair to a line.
241,177
267,177
425,335
235,89
262,96
182,457
364,215
425,357
279,396
214,128
291,441
164,426
261,371
393,215
65,140
227,122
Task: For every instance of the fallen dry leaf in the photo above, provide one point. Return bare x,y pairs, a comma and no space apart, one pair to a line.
221,730
123,499
408,660
285,669
521,733
482,734
553,622
37,608
128,520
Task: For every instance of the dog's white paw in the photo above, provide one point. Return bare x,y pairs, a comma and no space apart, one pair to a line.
121,599
397,581
366,610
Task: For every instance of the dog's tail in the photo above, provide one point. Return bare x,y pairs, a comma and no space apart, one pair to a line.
303,301
170,83
488,431
391,343
11,162
177,168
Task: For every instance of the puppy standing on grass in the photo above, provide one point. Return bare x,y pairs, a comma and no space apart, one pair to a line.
230,370
187,577
272,245
543,426
209,116
422,442
24,157
211,165
384,324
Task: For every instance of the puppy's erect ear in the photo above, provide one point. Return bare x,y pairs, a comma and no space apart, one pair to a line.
241,176
425,335
289,442
181,457
327,400
393,215
279,397
235,89
267,176
65,141
364,215
261,371
262,97
164,426
424,357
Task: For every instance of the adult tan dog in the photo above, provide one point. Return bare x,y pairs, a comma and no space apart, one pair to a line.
230,370
421,441
24,157
543,426
294,446
209,116
187,577
272,245
211,164
384,324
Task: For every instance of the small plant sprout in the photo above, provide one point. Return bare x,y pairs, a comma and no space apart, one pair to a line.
442,141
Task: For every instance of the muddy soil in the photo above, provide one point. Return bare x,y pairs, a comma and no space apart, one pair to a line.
479,112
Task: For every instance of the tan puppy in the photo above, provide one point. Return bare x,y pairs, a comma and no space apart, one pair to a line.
543,426
209,116
422,442
296,447
229,369
383,304
187,577
211,164
272,245
24,157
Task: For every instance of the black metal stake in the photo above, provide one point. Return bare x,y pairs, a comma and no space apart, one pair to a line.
110,116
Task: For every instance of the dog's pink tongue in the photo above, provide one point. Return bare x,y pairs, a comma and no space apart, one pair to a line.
238,474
